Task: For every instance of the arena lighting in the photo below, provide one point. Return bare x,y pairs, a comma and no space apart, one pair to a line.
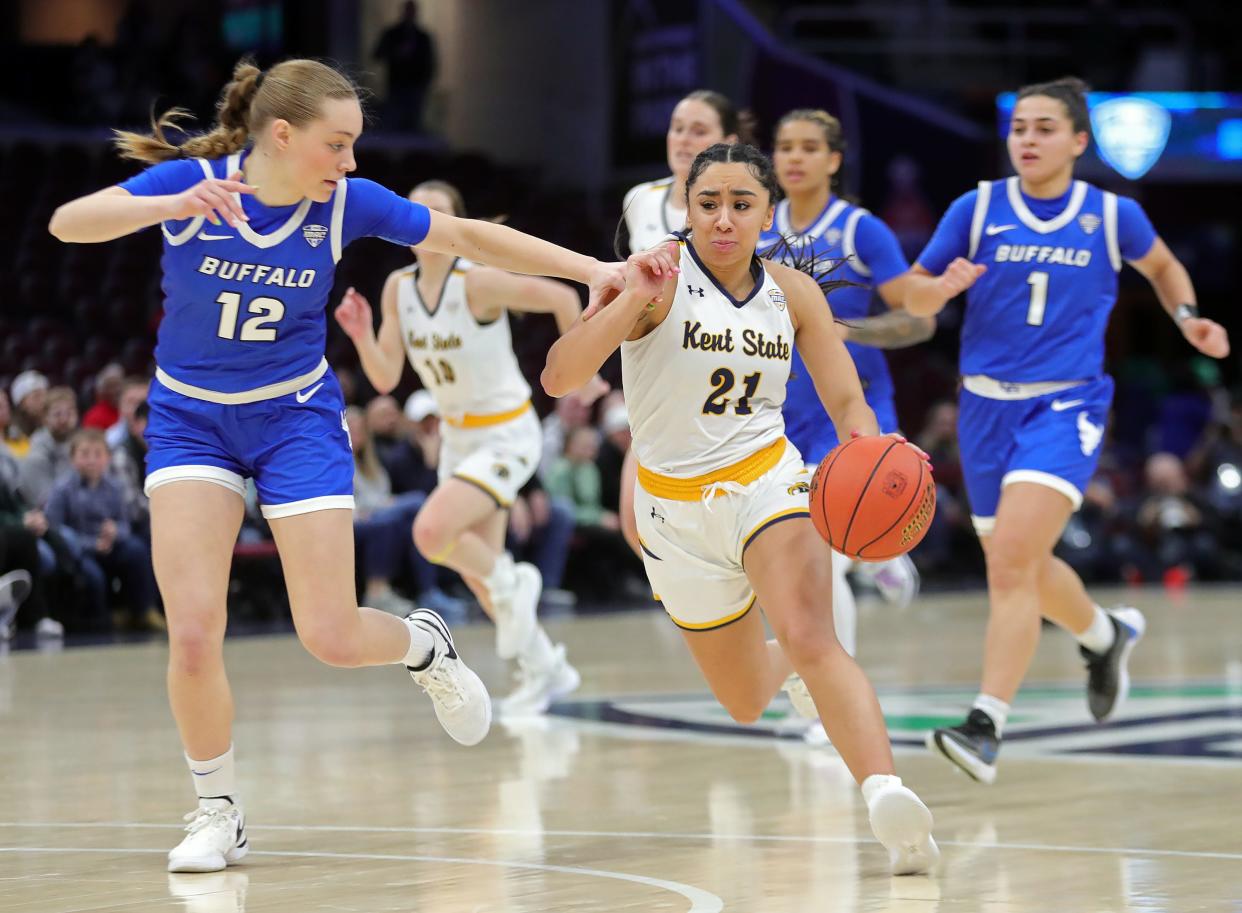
1131,133
1229,475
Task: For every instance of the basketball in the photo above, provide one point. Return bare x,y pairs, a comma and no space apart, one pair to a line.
873,498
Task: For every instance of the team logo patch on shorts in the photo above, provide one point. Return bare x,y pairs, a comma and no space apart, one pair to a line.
314,234
501,470
799,488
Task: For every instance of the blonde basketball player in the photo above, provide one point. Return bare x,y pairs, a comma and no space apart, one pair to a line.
448,317
722,495
653,211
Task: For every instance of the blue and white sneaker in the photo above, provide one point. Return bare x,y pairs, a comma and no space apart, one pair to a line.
972,747
1108,679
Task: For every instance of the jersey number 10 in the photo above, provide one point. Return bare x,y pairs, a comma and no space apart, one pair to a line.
255,329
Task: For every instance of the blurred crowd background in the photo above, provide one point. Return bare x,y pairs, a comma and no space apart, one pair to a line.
544,113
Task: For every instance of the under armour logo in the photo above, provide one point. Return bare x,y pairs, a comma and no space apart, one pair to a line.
656,516
695,291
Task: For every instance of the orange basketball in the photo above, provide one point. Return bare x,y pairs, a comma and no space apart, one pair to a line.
873,498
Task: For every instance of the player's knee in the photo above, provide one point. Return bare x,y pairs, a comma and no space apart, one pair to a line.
1011,562
332,645
744,708
194,649
433,535
806,636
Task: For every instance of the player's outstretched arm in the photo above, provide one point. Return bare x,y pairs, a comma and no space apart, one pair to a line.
579,354
926,295
1171,283
828,361
114,212
494,291
381,355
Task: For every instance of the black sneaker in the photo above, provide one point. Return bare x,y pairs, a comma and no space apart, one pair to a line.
1108,679
972,746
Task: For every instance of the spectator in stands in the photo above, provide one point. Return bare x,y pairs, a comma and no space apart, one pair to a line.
389,431
133,391
103,413
383,531
12,436
1092,542
49,457
28,398
1176,529
423,436
129,468
21,563
91,504
410,54
570,413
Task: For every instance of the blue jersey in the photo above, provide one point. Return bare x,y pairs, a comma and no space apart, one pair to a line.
245,307
872,256
1040,311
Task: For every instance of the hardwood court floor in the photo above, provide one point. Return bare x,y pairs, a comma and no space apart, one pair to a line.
358,801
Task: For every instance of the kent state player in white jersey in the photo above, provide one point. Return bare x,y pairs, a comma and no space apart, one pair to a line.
722,498
654,211
814,226
255,215
1039,254
450,320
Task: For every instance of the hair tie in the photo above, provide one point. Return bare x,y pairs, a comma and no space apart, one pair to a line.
259,80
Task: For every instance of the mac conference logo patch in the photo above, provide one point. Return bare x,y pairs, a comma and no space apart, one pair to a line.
1131,133
314,234
778,298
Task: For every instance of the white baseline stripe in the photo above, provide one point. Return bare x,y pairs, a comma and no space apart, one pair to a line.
700,901
629,835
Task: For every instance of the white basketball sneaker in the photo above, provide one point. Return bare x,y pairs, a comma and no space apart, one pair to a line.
216,838
538,687
516,608
897,579
461,701
903,824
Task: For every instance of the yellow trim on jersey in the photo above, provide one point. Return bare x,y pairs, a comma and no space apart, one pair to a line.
719,623
743,472
775,518
483,421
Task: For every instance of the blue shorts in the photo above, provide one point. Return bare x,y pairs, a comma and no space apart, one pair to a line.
1052,440
813,433
295,447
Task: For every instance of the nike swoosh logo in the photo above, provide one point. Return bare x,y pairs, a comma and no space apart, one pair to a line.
203,236
303,395
1058,406
205,773
994,229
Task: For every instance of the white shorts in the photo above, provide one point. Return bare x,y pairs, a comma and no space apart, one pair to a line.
692,550
499,459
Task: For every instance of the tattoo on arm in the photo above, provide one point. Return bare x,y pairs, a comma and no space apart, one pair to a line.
894,330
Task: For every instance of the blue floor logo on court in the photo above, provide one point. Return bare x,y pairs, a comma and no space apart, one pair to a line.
1201,720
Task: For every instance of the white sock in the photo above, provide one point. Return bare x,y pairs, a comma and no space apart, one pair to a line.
213,779
876,782
1100,634
422,647
996,709
501,578
844,608
539,653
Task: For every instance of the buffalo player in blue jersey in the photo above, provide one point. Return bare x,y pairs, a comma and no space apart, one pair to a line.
814,223
1038,255
255,215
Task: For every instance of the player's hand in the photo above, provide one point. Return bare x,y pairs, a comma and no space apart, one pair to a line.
35,522
606,283
354,315
647,271
901,439
213,199
1208,336
960,276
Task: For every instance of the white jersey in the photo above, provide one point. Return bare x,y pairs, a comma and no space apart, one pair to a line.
704,389
469,367
651,215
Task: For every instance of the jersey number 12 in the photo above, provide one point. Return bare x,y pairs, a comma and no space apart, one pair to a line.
255,329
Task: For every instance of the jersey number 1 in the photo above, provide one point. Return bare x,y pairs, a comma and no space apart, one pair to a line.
255,329
1039,298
